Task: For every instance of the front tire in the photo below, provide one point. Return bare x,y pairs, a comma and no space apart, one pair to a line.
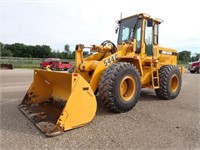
119,87
170,82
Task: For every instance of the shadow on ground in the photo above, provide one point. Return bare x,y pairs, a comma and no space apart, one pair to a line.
148,95
14,121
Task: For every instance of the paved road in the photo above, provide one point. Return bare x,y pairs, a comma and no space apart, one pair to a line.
152,124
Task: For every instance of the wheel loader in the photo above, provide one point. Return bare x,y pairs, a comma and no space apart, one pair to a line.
60,101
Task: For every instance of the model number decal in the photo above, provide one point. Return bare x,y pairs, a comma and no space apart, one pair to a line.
110,60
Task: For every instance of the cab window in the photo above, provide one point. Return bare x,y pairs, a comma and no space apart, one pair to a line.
148,38
138,36
155,34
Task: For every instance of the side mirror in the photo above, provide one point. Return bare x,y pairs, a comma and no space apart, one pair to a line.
150,22
116,29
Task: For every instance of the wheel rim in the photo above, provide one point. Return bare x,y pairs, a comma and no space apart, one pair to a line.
127,88
174,83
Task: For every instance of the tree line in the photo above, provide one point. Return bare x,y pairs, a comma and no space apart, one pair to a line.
37,51
185,56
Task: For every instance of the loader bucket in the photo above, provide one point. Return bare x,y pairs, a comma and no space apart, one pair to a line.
58,101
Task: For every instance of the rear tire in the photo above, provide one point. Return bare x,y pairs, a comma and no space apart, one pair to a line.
170,82
119,87
192,71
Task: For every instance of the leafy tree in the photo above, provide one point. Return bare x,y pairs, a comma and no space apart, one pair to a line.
4,52
1,46
31,51
46,51
67,50
184,56
73,53
196,57
16,49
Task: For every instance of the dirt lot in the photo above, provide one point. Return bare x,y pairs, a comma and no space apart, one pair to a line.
151,124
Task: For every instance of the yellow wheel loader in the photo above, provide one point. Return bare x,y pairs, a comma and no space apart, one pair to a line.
60,101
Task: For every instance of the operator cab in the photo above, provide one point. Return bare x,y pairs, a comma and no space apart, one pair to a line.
131,28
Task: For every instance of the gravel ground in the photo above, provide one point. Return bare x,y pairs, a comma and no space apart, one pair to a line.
151,124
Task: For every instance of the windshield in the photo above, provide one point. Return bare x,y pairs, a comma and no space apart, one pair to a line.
126,32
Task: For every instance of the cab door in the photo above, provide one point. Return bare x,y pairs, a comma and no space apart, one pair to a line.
155,40
151,38
148,37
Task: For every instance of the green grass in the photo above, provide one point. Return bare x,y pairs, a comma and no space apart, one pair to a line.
25,62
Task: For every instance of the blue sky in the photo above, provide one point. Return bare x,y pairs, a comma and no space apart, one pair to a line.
57,23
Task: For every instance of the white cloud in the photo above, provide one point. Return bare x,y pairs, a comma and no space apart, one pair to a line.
56,23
